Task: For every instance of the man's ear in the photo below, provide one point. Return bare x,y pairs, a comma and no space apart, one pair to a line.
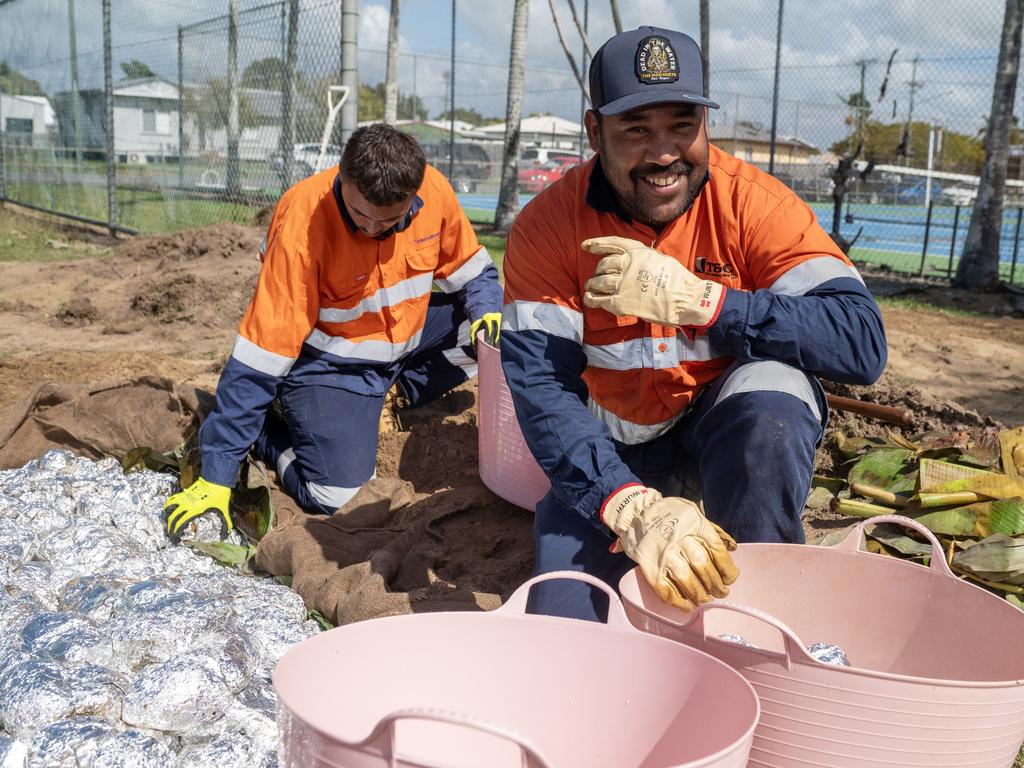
593,126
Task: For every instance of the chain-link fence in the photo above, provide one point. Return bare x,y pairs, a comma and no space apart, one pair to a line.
879,113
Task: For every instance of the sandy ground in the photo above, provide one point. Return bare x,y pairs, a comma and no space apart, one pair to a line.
170,305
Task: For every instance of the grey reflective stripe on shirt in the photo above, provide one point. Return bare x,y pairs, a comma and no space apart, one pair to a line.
473,268
372,349
410,288
646,352
261,359
810,274
771,376
543,316
629,432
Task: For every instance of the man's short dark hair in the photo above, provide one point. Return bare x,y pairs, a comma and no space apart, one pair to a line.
385,164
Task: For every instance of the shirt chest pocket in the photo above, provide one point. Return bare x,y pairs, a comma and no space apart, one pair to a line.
423,257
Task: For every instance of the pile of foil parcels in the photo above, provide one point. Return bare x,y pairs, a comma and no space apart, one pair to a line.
119,649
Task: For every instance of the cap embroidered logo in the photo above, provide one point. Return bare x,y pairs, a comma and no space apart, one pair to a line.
656,61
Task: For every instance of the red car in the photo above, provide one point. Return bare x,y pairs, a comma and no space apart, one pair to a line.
535,178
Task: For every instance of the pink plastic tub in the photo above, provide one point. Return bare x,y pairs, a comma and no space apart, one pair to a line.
504,689
937,663
506,465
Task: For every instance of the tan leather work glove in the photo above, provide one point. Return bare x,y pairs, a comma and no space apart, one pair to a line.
682,554
633,279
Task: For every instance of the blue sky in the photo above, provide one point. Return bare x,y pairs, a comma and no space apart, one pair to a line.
823,41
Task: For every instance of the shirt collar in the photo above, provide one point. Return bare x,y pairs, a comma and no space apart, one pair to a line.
417,203
601,197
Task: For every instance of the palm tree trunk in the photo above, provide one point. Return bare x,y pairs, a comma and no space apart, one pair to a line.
979,264
508,196
391,76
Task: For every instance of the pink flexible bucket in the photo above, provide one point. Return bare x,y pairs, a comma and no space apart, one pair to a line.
937,663
506,465
504,689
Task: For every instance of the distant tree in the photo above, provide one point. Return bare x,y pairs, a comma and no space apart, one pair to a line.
979,264
266,74
371,104
208,107
960,153
136,70
468,115
12,81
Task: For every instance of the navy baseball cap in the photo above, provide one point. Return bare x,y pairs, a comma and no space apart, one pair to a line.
645,66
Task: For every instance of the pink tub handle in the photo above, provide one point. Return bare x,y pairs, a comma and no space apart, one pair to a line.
385,729
855,540
794,646
516,603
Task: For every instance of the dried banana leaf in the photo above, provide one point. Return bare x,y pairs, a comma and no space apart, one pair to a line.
887,469
853,445
983,449
943,477
1011,448
972,520
148,458
895,537
235,555
997,558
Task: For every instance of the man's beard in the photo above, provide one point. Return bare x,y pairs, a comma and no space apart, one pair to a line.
646,208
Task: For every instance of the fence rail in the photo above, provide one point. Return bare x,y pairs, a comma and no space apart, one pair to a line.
211,115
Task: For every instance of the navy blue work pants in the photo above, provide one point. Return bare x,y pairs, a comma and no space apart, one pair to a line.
746,446
325,449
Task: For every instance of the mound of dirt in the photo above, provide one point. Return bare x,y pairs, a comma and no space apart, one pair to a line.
78,310
223,241
181,298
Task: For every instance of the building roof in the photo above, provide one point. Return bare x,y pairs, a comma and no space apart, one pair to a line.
757,135
545,124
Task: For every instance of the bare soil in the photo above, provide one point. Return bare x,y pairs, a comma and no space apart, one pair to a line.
170,305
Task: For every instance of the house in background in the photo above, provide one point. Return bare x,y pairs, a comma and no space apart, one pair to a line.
541,131
145,120
27,120
752,143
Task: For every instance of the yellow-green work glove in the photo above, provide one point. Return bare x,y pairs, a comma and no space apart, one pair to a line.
682,554
200,498
491,323
633,279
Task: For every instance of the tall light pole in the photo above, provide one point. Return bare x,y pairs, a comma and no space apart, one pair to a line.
451,106
775,92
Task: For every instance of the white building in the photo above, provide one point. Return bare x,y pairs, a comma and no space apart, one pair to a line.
27,119
541,131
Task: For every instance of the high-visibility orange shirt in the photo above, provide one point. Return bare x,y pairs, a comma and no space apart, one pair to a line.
746,230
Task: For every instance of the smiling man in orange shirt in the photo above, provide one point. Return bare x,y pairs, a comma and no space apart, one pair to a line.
668,311
343,310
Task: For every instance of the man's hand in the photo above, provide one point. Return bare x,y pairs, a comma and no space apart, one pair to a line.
633,279
200,498
491,323
682,554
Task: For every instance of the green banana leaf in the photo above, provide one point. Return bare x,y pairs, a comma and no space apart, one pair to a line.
886,468
148,458
997,558
1008,516
235,555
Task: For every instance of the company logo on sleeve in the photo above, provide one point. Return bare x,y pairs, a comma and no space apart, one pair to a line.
703,266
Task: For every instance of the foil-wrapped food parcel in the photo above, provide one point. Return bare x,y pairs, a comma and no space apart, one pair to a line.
119,649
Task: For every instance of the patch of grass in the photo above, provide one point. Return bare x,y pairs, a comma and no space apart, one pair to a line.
495,245
902,302
26,238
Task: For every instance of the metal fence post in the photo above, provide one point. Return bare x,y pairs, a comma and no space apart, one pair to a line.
952,242
927,231
3,151
181,115
1016,245
108,98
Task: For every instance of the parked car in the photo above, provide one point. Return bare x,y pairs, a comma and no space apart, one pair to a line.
472,163
304,159
533,179
959,195
537,156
